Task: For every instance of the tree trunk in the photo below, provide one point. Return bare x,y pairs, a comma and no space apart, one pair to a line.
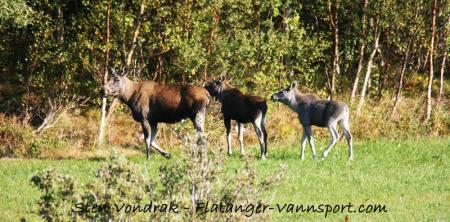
369,68
105,79
383,68
441,80
402,74
333,17
431,60
212,36
398,92
445,34
361,52
135,34
129,54
60,21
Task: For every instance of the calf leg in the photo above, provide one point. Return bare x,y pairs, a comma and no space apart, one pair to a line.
303,142
241,137
308,132
257,125
154,131
334,139
348,136
228,129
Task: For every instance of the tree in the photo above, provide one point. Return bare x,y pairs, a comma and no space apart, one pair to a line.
101,131
333,18
412,29
361,51
444,43
369,65
431,61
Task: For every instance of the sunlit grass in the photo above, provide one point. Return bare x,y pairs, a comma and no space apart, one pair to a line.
410,177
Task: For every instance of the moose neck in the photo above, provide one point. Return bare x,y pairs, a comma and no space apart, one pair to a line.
127,91
294,99
225,87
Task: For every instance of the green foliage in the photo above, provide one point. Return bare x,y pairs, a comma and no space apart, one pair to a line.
16,13
52,49
191,180
59,195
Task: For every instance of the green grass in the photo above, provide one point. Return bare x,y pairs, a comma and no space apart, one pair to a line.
410,177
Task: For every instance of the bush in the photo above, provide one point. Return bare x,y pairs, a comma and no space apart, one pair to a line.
60,194
18,140
119,183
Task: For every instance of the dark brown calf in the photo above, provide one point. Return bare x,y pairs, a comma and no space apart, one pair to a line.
243,109
152,103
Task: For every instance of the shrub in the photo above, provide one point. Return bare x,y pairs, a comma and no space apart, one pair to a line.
60,194
187,182
17,140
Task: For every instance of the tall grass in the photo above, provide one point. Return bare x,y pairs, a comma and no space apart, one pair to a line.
75,134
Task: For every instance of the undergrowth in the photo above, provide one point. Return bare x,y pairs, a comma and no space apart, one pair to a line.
75,134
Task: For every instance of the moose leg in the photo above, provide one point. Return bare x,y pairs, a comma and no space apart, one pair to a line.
199,122
263,127
146,128
348,136
152,141
259,134
228,129
308,132
241,137
334,138
303,142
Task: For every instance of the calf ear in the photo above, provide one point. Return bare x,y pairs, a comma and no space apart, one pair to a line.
294,84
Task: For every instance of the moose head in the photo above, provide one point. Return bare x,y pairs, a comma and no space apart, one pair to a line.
215,87
286,94
117,82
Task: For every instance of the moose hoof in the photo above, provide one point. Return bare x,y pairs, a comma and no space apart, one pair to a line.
167,156
263,157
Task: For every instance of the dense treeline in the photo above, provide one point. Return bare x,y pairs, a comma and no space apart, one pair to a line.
52,50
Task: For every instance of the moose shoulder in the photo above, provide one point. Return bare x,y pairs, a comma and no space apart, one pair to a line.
152,103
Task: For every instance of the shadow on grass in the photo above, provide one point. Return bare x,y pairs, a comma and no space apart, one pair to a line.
94,158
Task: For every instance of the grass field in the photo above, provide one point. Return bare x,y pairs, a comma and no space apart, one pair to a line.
411,178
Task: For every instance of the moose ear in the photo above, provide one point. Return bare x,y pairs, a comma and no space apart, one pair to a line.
294,84
220,79
124,71
113,71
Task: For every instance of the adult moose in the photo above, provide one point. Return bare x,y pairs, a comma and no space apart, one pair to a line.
313,111
152,103
243,109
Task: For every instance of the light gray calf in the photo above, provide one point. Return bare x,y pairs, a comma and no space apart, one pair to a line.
313,111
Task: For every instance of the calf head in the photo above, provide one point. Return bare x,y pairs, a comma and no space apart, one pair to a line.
286,95
116,84
215,87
